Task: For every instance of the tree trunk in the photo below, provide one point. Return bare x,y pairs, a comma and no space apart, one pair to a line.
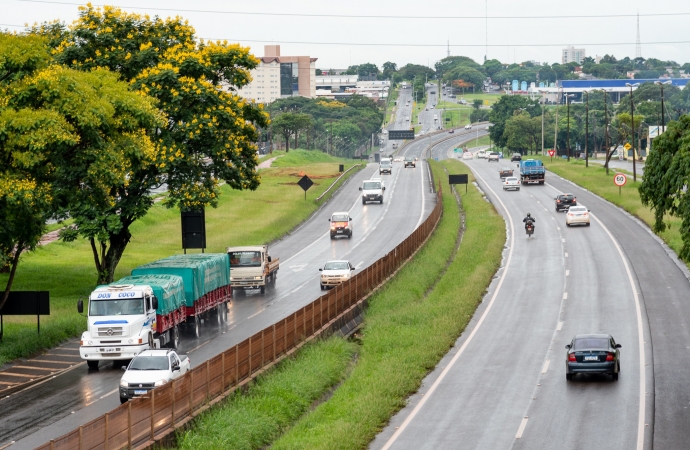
296,137
287,143
13,271
107,261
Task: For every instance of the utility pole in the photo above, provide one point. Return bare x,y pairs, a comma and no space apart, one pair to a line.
542,124
606,133
632,126
555,133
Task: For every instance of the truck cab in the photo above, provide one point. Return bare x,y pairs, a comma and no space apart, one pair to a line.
251,267
121,323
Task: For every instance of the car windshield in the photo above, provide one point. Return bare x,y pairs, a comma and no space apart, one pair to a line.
245,259
385,163
506,169
336,265
119,307
566,197
339,218
578,209
408,158
149,363
368,185
511,179
591,343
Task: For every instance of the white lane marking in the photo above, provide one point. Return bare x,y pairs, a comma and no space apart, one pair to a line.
559,228
562,239
566,255
359,265
256,313
560,326
567,273
640,332
452,362
198,347
565,296
522,428
298,267
546,366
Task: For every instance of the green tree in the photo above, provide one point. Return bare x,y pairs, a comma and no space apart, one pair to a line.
503,110
410,71
492,66
207,134
477,103
389,68
664,187
289,124
523,132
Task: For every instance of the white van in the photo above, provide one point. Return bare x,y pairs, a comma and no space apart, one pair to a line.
372,190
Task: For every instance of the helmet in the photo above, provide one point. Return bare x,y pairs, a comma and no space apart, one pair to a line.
529,215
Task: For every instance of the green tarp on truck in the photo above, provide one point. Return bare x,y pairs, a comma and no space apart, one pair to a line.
169,289
201,272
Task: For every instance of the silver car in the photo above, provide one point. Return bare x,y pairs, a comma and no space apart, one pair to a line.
511,183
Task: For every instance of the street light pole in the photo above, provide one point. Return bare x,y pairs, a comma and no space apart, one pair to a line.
542,124
663,121
632,126
567,103
587,130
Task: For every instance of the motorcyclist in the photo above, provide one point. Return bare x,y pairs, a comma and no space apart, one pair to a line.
529,220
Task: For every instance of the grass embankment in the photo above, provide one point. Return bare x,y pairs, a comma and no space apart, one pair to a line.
459,115
255,418
594,178
408,329
470,97
242,218
482,141
393,95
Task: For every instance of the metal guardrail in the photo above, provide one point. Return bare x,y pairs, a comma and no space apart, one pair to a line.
146,420
335,182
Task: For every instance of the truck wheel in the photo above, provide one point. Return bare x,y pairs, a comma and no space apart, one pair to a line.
219,314
263,289
195,323
364,202
123,400
175,337
92,364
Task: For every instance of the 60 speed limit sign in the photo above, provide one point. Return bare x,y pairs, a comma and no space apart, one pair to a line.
619,179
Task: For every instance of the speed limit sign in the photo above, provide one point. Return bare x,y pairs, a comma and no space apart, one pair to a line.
619,179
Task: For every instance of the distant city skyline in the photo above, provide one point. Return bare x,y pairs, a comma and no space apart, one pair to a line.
308,27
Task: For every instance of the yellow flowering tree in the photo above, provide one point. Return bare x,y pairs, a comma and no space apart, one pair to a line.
207,133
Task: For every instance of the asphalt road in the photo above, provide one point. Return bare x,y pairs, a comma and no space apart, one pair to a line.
503,384
52,408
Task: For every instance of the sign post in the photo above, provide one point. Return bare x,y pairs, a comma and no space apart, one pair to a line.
619,180
458,179
551,153
305,183
627,147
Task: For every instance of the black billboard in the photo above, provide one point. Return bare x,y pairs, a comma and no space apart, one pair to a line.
400,135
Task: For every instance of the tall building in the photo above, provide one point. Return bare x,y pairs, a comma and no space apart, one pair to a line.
571,54
281,76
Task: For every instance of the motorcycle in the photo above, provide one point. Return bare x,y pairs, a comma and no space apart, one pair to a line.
529,229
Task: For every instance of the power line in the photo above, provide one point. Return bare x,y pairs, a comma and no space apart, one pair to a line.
366,16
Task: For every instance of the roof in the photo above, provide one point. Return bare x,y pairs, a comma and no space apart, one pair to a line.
341,212
156,352
591,336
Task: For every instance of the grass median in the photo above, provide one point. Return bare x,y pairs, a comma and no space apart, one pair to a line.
595,179
410,324
67,271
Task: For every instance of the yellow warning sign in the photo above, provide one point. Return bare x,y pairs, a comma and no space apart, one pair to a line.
627,146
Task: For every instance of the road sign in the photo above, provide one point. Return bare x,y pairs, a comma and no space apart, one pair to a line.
399,135
620,179
305,183
627,146
552,152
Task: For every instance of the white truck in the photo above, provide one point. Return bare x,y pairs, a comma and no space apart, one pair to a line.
251,267
150,369
372,190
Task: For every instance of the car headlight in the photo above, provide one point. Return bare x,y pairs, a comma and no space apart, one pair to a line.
258,278
124,384
160,382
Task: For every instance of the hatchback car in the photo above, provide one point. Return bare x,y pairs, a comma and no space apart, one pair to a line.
565,201
386,166
592,353
341,224
334,273
511,183
409,161
451,131
467,155
515,157
481,154
493,156
468,127
577,215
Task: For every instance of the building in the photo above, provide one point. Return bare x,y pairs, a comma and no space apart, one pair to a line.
280,77
571,54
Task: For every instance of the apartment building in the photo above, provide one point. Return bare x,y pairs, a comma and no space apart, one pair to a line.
571,54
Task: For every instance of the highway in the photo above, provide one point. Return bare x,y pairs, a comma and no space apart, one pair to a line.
503,384
54,407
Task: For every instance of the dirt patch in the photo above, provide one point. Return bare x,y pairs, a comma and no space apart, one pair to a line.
294,184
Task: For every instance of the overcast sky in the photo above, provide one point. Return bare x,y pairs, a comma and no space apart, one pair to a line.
421,30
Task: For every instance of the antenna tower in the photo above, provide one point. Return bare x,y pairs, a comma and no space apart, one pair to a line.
638,48
448,51
486,29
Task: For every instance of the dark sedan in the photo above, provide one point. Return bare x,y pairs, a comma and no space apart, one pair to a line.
505,172
592,353
516,157
565,201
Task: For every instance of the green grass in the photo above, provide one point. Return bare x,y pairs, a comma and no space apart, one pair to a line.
393,95
254,419
242,218
459,115
594,178
483,140
469,97
406,331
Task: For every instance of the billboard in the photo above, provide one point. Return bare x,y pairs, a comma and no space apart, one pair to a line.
399,135
655,131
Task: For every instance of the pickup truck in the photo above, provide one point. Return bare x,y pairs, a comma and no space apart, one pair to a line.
150,369
252,267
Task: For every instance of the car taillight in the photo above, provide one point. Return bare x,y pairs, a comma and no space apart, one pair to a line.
609,357
571,357
558,201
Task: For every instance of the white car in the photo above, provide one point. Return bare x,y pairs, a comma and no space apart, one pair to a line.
385,132
511,183
467,155
481,154
468,127
150,369
398,159
493,156
334,273
577,215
